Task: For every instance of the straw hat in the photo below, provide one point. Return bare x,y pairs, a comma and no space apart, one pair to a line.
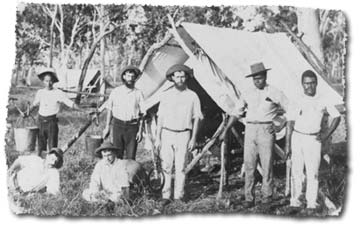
50,71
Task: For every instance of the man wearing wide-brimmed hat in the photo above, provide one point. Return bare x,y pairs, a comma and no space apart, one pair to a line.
178,121
262,103
125,114
109,180
32,173
48,100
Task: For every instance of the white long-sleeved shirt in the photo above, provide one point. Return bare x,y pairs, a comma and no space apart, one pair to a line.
49,101
109,177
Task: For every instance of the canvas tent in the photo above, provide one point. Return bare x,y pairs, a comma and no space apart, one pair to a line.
69,79
221,58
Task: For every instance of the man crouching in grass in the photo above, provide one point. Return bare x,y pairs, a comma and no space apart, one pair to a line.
32,173
111,177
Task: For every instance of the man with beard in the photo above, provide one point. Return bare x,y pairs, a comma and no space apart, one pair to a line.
124,111
307,136
178,122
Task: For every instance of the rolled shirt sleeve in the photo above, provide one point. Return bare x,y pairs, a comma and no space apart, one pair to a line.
64,99
53,183
197,114
333,112
239,108
37,98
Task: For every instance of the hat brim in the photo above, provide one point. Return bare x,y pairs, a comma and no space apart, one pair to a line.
135,69
256,73
52,74
190,74
98,150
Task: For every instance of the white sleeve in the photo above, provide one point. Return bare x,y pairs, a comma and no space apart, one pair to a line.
53,183
142,103
37,98
239,108
109,102
64,99
95,182
333,112
197,108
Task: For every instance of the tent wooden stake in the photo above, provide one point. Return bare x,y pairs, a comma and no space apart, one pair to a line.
222,171
205,149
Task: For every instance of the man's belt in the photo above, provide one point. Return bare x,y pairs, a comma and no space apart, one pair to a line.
259,122
306,133
175,130
46,119
126,122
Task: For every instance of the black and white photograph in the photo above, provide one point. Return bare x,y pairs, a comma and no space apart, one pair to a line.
150,110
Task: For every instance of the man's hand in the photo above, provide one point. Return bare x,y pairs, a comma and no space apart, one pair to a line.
157,143
271,129
322,137
191,145
106,132
287,151
139,136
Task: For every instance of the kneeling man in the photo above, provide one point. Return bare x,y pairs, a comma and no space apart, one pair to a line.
111,177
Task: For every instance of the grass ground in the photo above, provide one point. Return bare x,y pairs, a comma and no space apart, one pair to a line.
201,188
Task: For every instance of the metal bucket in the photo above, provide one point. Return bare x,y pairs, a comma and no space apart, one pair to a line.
25,138
92,142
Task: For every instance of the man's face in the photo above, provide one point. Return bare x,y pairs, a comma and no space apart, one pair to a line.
108,155
309,84
260,80
129,79
50,160
179,79
48,82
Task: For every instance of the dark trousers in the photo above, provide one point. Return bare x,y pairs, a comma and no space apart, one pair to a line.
124,137
48,133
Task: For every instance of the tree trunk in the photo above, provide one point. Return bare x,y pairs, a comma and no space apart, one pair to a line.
83,72
308,23
52,38
102,53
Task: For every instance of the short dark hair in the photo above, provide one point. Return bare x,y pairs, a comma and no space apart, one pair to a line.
308,73
59,159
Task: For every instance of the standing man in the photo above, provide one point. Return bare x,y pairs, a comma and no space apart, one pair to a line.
263,103
306,135
48,100
124,110
178,122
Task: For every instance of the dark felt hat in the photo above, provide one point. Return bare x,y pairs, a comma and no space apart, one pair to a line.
50,71
59,154
131,68
179,67
107,145
256,69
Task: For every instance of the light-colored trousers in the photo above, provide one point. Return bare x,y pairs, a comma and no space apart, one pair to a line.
258,143
174,148
306,151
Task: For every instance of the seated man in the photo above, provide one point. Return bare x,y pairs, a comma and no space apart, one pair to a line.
111,177
31,173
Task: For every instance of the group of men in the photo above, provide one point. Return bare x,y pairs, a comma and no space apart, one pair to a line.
179,115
